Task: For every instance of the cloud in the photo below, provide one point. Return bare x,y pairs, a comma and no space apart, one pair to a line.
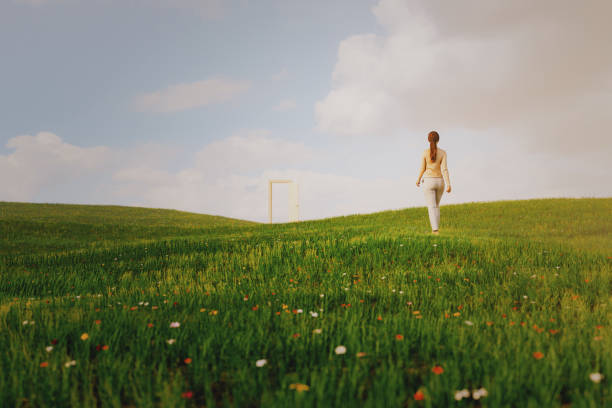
285,105
191,95
42,160
538,72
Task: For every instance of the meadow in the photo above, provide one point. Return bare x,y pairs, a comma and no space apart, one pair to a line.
510,306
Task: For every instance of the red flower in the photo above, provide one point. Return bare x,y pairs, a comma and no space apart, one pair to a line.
187,360
399,337
54,341
538,355
187,394
437,370
44,364
419,396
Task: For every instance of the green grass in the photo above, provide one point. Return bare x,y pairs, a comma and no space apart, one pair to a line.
530,276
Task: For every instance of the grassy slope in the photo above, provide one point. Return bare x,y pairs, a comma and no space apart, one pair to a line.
40,228
484,264
582,224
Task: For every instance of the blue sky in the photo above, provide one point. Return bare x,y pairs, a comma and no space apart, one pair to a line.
194,104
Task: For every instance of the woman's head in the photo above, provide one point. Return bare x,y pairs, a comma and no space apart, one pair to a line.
433,138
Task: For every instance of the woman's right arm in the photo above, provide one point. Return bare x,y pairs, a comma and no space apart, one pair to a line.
444,168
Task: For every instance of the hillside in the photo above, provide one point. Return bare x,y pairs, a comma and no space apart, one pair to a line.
111,306
583,224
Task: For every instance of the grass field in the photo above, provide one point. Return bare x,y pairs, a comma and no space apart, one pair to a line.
114,306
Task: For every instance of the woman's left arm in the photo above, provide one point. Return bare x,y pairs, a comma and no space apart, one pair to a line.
421,170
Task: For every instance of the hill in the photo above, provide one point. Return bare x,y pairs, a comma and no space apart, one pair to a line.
508,307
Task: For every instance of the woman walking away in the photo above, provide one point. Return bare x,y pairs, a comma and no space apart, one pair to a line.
433,164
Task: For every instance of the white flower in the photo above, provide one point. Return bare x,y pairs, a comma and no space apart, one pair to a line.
317,331
70,363
340,350
477,394
261,363
596,377
49,348
170,341
300,311
469,323
314,314
435,245
322,295
175,324
459,395
25,322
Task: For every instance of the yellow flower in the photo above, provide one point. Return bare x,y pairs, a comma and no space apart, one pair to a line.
84,336
299,387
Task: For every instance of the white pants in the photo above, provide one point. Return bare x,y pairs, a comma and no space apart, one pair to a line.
434,188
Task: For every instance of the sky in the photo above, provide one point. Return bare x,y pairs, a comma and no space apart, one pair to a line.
195,104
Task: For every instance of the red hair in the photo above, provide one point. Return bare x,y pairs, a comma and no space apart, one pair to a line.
433,138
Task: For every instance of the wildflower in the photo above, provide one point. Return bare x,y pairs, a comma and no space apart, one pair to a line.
314,314
317,331
596,377
459,395
105,347
469,323
437,370
175,325
261,363
300,311
299,387
419,396
70,363
149,325
170,341
321,295
399,337
296,335
479,393
49,348
44,364
379,318
538,355
340,350
97,321
84,336
361,354
187,394
187,360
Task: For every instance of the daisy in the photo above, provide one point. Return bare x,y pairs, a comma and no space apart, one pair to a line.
340,350
261,363
49,348
479,393
70,363
175,325
170,341
459,395
596,377
314,314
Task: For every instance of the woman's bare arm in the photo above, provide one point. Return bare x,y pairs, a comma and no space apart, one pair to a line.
422,169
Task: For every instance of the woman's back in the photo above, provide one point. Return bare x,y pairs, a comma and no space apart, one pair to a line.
436,168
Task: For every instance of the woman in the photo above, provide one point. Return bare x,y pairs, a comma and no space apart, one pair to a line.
433,164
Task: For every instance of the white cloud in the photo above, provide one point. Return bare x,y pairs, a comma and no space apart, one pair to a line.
42,160
191,95
536,71
285,105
